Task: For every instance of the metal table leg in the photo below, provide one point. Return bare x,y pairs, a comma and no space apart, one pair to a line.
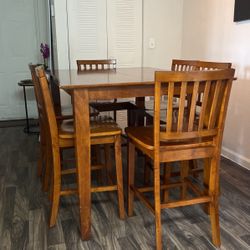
27,128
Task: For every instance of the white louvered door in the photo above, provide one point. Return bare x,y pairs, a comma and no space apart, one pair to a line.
87,30
105,29
125,32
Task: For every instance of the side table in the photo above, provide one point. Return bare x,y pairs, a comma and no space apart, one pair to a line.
24,84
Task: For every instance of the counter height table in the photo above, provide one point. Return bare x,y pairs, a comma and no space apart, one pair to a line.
105,85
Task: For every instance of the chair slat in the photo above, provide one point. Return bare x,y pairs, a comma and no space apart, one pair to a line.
213,113
182,106
224,102
170,106
193,106
204,105
157,108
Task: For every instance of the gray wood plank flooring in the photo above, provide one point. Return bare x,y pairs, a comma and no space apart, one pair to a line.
24,210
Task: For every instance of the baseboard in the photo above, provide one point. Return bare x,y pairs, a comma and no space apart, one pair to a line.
17,123
235,157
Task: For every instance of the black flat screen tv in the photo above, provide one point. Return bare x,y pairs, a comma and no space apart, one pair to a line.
241,10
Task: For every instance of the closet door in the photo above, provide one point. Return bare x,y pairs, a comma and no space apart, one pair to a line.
124,20
87,29
97,29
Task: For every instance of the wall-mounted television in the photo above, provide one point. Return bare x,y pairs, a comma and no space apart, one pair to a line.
241,10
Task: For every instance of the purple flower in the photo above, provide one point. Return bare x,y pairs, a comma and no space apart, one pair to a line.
44,49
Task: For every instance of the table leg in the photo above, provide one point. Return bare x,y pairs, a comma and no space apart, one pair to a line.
27,129
82,151
140,103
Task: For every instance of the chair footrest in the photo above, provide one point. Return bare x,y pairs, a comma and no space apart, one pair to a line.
189,202
104,188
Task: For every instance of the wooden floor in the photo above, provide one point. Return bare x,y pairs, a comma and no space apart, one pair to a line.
24,210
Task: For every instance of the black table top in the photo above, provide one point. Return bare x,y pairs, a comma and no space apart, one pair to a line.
26,82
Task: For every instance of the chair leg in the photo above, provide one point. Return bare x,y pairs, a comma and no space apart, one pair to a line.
42,156
51,187
166,177
130,119
147,170
214,205
131,177
40,162
114,112
96,159
47,172
193,164
56,187
119,176
108,163
184,174
206,177
157,201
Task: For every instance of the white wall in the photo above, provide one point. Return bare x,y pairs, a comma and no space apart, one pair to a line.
22,29
163,22
61,34
209,33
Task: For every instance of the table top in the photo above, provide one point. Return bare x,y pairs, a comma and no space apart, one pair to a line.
71,79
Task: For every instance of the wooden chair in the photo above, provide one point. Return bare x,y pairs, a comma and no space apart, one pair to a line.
108,64
190,137
198,65
43,159
189,65
60,135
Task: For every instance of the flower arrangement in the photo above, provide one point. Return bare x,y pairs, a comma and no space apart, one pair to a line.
44,49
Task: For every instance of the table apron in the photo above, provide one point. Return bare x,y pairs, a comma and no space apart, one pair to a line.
112,92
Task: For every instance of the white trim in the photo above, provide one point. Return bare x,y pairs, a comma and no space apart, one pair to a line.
235,157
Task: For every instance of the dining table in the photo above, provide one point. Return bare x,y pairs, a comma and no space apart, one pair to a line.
137,82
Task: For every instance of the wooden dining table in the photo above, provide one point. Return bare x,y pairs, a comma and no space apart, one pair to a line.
84,87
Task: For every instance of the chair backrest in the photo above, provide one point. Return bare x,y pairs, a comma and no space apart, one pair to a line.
54,89
197,65
47,107
183,65
189,65
204,65
38,96
35,81
90,65
209,122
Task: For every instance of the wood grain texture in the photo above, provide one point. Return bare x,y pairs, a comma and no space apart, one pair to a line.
24,210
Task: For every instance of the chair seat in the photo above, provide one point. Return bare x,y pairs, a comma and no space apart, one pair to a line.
144,136
101,126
